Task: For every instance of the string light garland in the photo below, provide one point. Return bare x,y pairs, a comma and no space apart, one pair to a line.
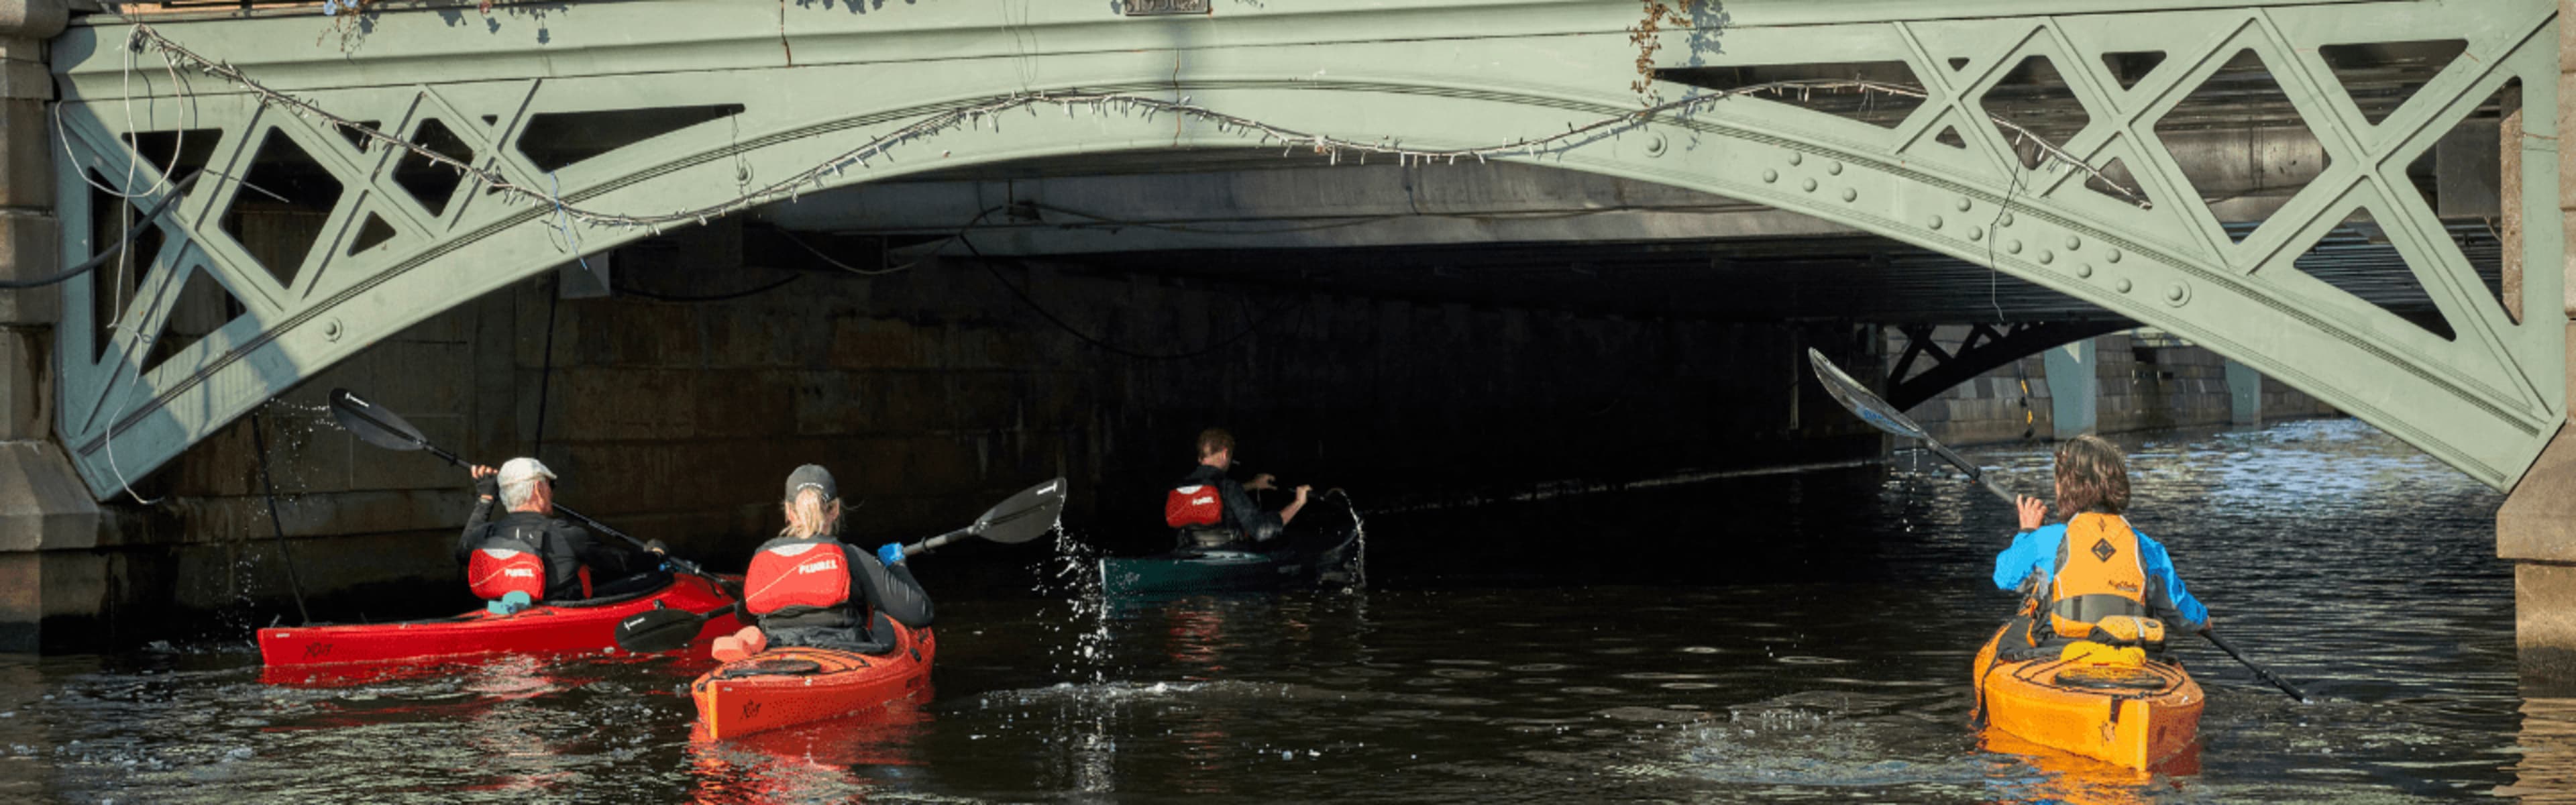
1334,149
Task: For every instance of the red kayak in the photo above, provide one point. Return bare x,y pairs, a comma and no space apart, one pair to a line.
564,627
791,685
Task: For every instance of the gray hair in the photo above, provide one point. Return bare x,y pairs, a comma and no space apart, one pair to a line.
517,493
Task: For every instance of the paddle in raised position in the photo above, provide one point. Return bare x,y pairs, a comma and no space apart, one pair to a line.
1879,414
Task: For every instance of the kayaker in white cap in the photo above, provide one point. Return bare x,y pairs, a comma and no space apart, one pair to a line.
527,555
807,588
1211,510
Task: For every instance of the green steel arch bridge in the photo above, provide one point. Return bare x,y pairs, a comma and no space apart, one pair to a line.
2248,174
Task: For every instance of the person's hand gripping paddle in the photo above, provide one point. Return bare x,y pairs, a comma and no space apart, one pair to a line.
1022,517
1885,417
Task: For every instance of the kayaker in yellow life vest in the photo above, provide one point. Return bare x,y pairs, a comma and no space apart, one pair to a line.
1210,510
807,588
2092,567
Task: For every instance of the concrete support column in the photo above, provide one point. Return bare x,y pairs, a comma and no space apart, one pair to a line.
2074,389
2536,527
2244,394
43,505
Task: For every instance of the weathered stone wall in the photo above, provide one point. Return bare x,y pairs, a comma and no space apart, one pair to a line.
2145,384
933,393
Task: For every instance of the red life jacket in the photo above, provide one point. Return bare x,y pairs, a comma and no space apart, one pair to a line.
795,576
496,572
1196,504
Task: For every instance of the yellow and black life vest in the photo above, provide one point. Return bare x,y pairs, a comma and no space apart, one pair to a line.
2098,575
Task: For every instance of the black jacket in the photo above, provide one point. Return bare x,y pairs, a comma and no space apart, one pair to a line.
567,548
1243,515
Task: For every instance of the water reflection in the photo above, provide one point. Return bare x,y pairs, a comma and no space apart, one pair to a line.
1783,638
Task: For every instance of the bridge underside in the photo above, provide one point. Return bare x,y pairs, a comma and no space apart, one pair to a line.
1975,165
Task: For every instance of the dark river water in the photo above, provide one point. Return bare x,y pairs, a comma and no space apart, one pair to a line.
1792,637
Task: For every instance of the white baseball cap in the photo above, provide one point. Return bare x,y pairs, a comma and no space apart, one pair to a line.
521,469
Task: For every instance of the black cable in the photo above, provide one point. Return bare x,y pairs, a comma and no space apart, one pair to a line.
259,441
715,298
1087,338
546,370
131,233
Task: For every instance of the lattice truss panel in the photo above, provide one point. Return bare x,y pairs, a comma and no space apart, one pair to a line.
298,244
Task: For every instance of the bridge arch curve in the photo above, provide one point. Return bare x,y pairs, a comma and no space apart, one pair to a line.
2485,401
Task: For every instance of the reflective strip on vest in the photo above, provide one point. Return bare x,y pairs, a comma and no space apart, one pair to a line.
2098,575
496,572
796,576
1191,505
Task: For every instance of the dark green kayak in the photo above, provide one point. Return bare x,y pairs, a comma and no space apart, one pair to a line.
1310,555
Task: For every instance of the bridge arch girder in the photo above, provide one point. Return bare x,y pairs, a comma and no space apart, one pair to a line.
2485,402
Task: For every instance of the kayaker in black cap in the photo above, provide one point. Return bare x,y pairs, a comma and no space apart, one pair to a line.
528,555
809,589
1213,511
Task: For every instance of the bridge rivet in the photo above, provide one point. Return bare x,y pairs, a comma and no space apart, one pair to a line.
1833,169
1769,176
331,330
1795,157
2113,257
2013,247
1935,222
1808,185
1964,204
1976,233
2046,257
1850,194
2073,243
2004,220
2177,294
2085,270
2123,285
1654,145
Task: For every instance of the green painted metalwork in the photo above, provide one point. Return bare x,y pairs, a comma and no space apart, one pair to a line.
814,79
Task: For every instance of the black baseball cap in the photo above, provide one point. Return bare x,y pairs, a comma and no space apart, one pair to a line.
813,476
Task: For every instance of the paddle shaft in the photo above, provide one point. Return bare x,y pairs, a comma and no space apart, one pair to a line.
2259,671
684,565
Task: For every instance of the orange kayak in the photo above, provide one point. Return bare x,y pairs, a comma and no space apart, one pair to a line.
791,685
2135,716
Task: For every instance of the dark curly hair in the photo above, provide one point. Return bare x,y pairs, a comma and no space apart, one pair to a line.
2091,476
1213,440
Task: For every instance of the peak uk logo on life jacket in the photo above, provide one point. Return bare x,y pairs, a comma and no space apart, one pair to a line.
2102,550
817,567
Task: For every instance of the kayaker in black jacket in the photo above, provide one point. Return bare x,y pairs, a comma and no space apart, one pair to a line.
1213,511
807,588
530,552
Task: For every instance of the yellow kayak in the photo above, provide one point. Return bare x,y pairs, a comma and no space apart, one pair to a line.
2130,715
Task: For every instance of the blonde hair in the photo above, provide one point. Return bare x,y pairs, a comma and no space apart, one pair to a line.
2091,475
809,517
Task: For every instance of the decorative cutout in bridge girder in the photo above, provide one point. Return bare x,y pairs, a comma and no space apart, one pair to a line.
2360,260
112,284
373,232
2130,67
2462,178
428,182
552,140
277,214
2043,105
2381,76
176,153
2115,181
1881,109
2242,95
203,305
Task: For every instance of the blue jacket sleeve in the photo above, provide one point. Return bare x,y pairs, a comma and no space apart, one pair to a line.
2031,552
2159,567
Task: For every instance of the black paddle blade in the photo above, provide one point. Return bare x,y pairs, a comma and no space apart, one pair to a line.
1856,397
1024,516
658,630
373,425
